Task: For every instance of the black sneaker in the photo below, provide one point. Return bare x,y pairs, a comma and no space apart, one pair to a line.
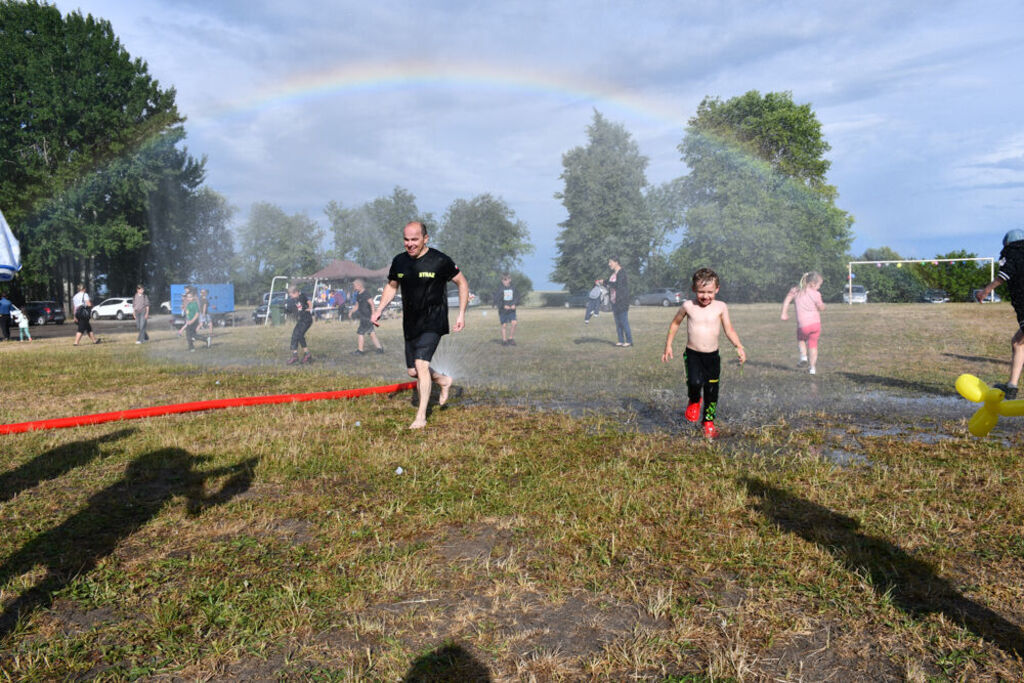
511,342
380,349
1009,392
802,364
357,352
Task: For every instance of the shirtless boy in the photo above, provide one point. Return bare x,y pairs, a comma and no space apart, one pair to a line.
705,320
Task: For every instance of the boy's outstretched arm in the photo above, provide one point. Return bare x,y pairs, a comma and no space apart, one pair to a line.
672,329
730,333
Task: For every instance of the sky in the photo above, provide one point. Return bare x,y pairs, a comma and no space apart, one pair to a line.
302,103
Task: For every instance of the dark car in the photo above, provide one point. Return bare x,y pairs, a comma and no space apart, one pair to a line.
665,296
935,296
42,312
577,300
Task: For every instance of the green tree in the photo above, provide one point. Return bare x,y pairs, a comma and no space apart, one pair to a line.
486,239
87,150
272,243
956,278
371,234
885,283
758,208
608,213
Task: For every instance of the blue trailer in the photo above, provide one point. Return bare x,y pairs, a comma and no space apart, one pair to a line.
221,298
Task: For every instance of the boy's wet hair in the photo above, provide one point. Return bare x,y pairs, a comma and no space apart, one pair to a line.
704,275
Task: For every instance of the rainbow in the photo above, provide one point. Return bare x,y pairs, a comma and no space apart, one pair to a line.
371,77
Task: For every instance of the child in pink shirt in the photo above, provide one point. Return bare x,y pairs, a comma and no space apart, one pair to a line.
809,305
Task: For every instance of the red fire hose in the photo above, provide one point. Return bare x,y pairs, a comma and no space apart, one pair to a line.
194,406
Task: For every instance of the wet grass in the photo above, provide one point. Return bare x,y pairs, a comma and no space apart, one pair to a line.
518,544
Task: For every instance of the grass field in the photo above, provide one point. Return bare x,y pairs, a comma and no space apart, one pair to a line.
556,522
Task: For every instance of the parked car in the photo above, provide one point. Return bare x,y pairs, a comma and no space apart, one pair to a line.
577,300
992,298
665,296
855,294
394,305
118,307
42,312
453,299
935,296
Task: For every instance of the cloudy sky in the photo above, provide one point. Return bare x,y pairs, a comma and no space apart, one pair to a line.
300,103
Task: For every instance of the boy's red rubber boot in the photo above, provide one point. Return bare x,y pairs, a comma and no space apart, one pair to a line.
710,432
692,413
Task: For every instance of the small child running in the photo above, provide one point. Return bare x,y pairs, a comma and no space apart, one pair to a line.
298,304
364,311
705,320
807,299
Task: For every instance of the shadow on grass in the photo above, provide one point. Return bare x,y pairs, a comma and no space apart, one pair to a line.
911,584
895,383
451,662
592,340
54,463
110,516
977,359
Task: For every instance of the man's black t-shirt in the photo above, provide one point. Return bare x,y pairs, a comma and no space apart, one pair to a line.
423,282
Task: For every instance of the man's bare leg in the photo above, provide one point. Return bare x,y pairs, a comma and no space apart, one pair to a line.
1017,364
443,381
422,374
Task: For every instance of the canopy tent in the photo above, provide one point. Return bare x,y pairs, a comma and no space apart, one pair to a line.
10,251
339,269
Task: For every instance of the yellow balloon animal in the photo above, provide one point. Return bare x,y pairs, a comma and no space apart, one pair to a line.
992,404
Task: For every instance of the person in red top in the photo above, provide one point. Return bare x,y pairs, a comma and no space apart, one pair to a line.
423,274
807,299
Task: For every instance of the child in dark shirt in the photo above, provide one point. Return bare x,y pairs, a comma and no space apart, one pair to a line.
299,305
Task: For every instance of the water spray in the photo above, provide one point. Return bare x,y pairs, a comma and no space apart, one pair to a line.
993,405
196,406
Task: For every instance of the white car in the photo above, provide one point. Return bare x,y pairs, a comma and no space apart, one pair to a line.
118,307
855,294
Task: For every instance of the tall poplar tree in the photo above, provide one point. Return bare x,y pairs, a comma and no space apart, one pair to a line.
608,213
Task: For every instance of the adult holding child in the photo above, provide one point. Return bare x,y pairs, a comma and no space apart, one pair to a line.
81,304
807,299
423,273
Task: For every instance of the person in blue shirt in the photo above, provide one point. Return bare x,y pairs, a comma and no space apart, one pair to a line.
5,317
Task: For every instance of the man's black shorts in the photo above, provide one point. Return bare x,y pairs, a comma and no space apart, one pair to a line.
421,348
506,316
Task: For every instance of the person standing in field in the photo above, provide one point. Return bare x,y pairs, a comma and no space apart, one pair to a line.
423,274
5,316
204,311
298,303
1011,273
140,307
705,319
507,300
363,310
190,307
80,304
618,289
21,318
807,299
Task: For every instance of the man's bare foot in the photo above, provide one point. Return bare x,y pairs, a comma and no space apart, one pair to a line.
445,382
418,424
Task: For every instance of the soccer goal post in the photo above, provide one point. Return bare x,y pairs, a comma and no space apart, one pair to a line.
934,261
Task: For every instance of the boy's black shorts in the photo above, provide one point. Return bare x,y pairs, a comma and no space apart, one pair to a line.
421,348
702,366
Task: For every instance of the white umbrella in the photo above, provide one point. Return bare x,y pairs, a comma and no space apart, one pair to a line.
10,251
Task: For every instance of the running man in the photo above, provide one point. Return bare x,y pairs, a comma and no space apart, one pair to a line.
423,274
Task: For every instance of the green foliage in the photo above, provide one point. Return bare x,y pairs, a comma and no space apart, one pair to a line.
608,213
486,239
957,279
371,234
758,209
272,243
886,283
